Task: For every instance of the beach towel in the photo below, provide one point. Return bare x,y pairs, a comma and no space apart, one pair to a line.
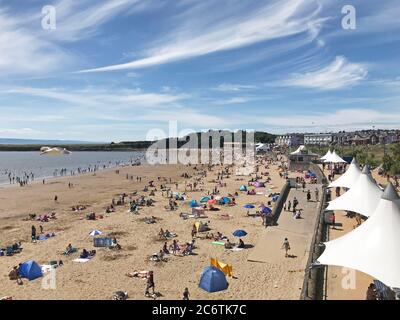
46,268
218,243
235,249
81,260
45,237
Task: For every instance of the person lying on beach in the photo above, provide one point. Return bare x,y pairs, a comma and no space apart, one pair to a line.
138,274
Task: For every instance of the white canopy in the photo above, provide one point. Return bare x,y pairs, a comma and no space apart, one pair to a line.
349,177
334,158
363,196
299,149
371,248
327,154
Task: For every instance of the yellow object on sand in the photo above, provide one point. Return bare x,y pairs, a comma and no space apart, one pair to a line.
225,268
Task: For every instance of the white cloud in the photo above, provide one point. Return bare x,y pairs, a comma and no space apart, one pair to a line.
338,74
26,132
226,87
80,19
21,52
277,19
101,98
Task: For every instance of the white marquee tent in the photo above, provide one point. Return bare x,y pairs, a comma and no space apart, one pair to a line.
371,248
333,158
363,196
327,154
347,179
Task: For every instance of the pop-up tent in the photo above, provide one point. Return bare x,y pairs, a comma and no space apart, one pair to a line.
213,280
349,177
30,270
371,248
204,199
224,200
243,188
193,204
363,196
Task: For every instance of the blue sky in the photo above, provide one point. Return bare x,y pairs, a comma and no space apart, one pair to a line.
113,70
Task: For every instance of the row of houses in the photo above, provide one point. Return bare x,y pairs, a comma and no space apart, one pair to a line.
365,137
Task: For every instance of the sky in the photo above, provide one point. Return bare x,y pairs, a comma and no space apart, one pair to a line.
116,70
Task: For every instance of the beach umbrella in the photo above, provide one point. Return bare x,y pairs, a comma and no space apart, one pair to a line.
95,233
204,199
248,206
239,233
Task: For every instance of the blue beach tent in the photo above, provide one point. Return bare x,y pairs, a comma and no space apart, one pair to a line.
30,270
204,199
213,280
243,188
193,204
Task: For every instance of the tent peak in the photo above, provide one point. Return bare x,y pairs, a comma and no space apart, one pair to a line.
354,161
390,193
366,170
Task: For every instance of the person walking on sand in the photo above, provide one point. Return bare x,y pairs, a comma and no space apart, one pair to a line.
289,205
150,283
33,233
186,294
316,195
56,198
308,196
286,246
333,220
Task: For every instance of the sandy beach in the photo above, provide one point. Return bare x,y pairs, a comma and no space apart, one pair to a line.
106,272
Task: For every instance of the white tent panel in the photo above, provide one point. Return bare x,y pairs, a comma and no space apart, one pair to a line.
347,179
363,197
371,248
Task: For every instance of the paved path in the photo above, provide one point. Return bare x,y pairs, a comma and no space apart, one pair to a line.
298,231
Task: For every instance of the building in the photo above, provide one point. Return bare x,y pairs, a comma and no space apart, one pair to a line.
321,139
290,140
301,159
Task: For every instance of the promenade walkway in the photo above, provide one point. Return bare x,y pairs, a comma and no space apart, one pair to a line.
298,231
